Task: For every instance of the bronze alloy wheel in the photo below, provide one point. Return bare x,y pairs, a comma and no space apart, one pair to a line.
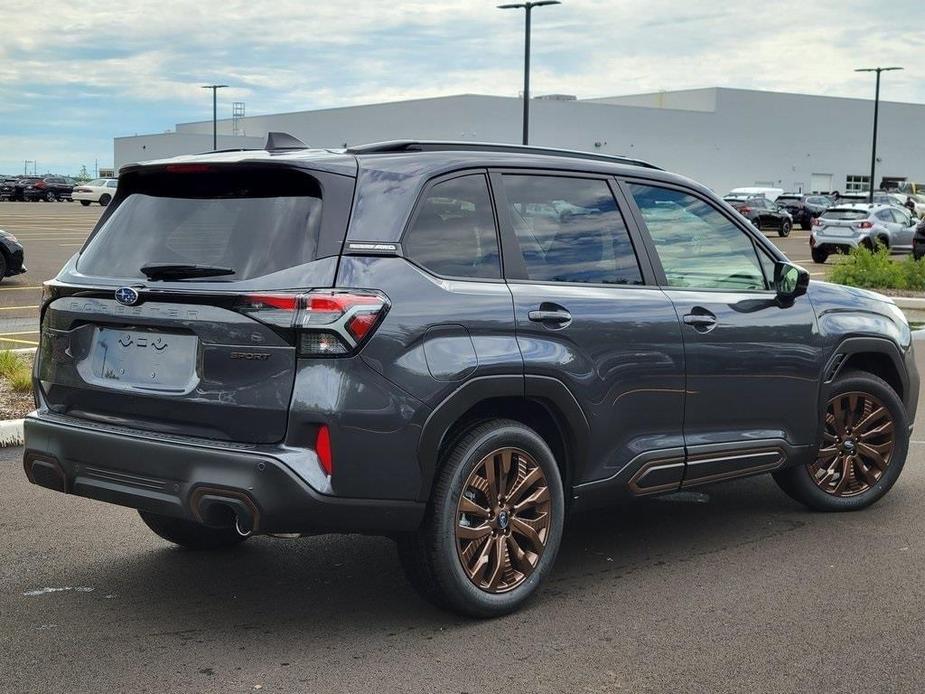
857,445
502,520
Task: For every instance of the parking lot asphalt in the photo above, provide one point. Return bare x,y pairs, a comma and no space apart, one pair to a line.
52,232
732,589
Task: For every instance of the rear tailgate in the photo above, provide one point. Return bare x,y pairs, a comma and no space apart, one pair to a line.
187,355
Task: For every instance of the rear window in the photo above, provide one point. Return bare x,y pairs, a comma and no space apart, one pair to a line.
255,222
846,214
789,198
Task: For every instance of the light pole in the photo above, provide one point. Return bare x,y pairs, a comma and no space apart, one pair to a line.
214,88
873,153
528,7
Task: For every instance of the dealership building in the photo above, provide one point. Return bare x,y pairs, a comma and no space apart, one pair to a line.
724,138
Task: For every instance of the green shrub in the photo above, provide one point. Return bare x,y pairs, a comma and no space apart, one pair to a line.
15,371
875,270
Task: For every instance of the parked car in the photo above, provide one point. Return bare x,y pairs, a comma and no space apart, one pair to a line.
99,190
848,226
283,345
49,188
901,200
756,191
16,190
918,240
7,184
12,256
764,214
804,209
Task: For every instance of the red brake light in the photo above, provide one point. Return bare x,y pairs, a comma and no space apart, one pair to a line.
39,184
817,222
188,168
865,225
323,449
745,210
328,322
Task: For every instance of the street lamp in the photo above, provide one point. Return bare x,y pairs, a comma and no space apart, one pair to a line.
528,6
214,88
873,153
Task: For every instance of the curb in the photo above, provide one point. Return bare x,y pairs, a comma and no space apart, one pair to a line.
910,302
11,433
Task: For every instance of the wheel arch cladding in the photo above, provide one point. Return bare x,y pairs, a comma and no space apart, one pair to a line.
545,405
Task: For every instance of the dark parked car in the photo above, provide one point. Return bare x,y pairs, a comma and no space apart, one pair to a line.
14,188
11,256
764,214
804,208
451,344
7,184
49,188
918,241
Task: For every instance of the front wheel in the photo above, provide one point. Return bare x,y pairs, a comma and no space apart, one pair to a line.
189,534
864,444
785,228
494,524
50,196
85,203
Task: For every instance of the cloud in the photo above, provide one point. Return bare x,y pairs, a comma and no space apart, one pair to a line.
86,72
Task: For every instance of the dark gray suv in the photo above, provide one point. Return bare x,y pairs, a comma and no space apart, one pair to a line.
450,344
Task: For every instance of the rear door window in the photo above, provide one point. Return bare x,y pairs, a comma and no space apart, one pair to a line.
570,230
256,223
453,233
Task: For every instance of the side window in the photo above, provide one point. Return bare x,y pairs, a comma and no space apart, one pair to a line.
112,184
570,230
696,244
453,233
885,216
900,217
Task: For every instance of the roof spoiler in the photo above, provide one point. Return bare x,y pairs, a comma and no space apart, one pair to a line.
277,141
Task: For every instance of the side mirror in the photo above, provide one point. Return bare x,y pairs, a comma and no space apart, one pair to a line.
790,281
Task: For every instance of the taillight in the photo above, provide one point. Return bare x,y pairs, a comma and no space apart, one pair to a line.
326,322
745,210
39,184
817,222
323,449
865,225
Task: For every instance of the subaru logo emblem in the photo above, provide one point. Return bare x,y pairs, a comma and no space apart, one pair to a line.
126,296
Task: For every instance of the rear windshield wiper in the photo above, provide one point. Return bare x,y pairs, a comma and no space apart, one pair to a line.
179,271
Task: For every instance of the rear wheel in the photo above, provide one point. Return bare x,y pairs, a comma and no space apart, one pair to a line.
190,535
820,255
50,196
494,523
85,203
104,199
3,266
785,227
864,445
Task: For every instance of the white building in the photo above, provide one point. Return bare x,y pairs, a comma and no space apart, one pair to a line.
724,138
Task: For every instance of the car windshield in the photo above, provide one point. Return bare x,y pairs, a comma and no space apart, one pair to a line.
789,198
849,215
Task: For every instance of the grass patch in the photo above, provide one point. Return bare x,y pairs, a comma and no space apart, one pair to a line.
15,371
875,270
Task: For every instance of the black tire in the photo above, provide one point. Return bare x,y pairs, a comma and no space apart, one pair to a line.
785,228
85,203
819,255
798,482
104,199
756,222
51,196
3,266
190,535
429,557
806,224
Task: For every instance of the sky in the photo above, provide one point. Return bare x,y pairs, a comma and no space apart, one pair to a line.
76,74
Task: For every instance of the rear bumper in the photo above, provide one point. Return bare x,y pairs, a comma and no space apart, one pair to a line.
87,197
172,477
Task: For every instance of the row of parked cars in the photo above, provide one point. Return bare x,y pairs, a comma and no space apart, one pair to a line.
838,222
57,189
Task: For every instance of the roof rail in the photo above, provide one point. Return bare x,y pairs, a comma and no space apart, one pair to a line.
396,146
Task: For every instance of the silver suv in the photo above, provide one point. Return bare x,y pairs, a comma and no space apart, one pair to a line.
848,226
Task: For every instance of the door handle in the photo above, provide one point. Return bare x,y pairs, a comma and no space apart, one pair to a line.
550,316
703,320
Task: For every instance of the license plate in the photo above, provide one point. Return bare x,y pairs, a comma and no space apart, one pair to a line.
838,231
142,360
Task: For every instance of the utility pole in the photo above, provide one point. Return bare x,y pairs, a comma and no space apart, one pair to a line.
873,149
528,8
214,88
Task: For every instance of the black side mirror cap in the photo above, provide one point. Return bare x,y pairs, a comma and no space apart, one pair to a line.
790,281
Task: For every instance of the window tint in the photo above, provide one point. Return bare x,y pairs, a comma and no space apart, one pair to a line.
570,230
453,233
884,216
697,245
900,217
112,184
